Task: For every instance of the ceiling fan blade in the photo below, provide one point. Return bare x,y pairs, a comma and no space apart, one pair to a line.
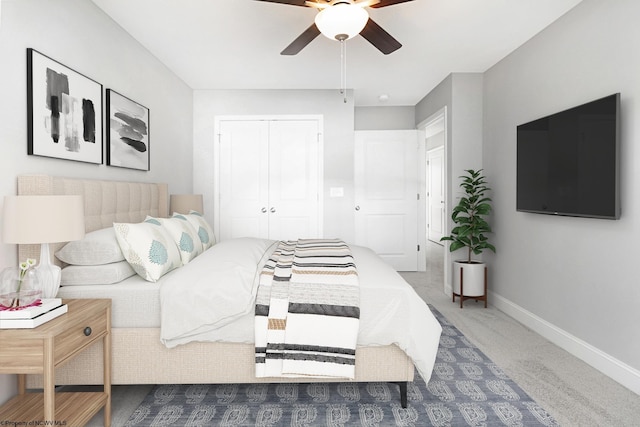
384,3
366,3
317,4
302,41
289,2
378,37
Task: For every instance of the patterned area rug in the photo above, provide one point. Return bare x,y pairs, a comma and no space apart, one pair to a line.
466,389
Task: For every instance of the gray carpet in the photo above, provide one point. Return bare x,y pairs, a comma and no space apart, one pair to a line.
466,388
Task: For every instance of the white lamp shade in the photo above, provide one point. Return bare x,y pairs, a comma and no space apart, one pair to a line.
183,203
42,219
341,21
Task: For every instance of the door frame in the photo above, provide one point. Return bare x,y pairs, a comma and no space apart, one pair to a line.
429,201
268,117
438,119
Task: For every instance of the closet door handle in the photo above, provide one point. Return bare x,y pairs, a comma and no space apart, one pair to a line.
272,210
264,210
357,208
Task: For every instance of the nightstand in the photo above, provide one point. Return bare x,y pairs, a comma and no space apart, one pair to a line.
41,350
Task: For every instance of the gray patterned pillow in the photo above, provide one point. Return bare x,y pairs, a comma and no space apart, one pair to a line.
105,274
96,248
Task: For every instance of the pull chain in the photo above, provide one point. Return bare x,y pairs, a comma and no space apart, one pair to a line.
343,69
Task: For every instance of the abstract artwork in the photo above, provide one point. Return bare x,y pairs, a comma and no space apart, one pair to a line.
64,111
128,135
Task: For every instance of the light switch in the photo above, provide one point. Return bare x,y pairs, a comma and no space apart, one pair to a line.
336,192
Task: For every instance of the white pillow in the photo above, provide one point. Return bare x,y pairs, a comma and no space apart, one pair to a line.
184,235
149,249
105,274
205,232
96,248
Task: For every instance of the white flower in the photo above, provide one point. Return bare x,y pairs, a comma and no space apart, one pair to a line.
24,267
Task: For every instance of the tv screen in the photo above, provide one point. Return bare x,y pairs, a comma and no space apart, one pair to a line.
567,163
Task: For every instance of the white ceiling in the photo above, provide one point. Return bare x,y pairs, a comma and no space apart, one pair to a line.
236,44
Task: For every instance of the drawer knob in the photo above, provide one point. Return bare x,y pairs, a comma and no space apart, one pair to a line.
87,331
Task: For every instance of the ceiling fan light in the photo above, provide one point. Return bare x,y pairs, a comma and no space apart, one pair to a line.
341,21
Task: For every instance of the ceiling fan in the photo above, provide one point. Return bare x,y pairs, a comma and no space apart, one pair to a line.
341,20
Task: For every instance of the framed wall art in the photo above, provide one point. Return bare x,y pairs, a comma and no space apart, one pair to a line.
128,132
64,111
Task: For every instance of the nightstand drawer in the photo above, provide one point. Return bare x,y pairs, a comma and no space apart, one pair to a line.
79,336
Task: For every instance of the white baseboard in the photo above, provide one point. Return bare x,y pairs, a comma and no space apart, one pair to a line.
603,362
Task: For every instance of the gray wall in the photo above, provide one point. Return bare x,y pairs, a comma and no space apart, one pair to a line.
79,35
461,95
385,118
577,274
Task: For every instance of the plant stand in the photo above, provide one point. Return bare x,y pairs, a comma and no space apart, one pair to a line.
463,297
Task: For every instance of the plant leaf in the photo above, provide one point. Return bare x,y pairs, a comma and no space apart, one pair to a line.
469,213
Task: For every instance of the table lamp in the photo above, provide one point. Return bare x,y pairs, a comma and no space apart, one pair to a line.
183,203
43,220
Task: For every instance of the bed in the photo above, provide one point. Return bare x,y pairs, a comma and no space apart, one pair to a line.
139,356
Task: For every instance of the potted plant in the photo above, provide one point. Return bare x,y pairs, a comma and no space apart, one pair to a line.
470,232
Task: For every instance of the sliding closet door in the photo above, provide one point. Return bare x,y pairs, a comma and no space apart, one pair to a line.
269,179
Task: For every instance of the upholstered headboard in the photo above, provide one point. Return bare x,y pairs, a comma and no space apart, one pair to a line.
105,202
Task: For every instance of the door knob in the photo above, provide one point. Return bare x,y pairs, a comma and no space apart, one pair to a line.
272,210
264,210
357,208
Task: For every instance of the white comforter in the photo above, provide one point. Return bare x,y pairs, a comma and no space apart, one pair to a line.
213,299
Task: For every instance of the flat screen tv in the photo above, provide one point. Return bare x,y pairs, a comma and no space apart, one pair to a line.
568,162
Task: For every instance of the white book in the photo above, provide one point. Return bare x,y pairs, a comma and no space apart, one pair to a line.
35,322
48,304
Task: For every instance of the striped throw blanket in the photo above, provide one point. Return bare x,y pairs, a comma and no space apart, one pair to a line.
307,311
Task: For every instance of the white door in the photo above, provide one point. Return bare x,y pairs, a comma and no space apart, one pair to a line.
386,195
435,197
293,179
244,179
269,179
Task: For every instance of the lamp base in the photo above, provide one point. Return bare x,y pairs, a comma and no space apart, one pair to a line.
49,273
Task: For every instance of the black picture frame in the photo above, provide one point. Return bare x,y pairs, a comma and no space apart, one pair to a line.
64,111
128,133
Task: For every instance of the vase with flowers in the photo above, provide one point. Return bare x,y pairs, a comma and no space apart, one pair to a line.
20,287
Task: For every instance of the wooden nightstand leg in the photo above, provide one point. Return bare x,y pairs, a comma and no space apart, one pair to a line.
22,383
48,378
106,358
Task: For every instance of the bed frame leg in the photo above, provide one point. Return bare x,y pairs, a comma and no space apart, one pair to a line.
403,393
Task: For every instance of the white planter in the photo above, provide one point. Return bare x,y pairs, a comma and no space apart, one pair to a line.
473,278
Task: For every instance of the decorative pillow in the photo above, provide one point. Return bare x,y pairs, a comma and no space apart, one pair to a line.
149,249
184,235
105,274
96,248
202,227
